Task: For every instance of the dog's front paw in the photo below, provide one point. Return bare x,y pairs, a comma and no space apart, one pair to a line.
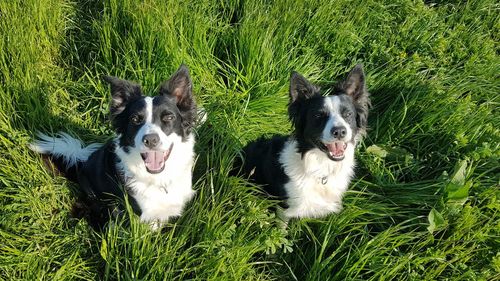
155,225
337,207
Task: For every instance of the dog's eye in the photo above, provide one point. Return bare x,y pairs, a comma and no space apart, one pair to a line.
347,114
167,117
137,119
319,115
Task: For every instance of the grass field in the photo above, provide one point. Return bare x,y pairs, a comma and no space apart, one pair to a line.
424,204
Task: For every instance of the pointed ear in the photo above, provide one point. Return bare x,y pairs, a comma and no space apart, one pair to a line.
180,87
122,92
300,88
354,84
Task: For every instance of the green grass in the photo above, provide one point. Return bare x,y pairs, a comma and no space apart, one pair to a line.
424,204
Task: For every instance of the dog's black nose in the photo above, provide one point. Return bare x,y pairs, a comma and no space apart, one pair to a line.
339,132
151,140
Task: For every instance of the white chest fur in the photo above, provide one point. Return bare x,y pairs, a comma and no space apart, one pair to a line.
317,183
163,195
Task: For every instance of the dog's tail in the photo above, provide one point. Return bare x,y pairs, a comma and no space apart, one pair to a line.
64,151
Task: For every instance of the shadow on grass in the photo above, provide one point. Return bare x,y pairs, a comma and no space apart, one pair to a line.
81,48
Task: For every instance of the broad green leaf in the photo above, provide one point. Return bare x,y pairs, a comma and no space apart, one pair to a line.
436,221
458,176
104,249
458,193
457,189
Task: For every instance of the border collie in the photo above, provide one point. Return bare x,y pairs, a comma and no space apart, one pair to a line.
151,157
311,169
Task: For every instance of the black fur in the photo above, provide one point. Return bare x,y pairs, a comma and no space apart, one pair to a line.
180,87
306,112
101,184
262,165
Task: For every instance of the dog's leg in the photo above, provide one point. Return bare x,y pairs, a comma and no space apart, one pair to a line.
154,223
282,218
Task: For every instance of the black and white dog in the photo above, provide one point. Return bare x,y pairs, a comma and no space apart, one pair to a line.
151,158
311,169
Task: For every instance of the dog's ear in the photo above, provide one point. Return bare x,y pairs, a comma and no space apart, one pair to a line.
180,87
122,92
354,84
300,88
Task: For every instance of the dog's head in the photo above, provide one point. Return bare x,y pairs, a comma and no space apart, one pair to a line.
330,123
152,126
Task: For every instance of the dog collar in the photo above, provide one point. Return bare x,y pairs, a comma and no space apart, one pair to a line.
164,189
324,180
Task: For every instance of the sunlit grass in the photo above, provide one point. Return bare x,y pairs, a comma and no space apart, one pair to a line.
423,205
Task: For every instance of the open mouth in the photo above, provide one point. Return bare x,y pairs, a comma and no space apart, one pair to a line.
336,150
155,160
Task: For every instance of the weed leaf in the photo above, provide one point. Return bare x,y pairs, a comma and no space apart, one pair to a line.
436,221
377,151
457,189
104,249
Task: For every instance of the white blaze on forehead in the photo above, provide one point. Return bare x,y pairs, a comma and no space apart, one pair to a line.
149,127
335,119
332,104
149,109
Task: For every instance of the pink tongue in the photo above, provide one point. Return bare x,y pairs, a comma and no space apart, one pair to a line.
154,160
336,148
